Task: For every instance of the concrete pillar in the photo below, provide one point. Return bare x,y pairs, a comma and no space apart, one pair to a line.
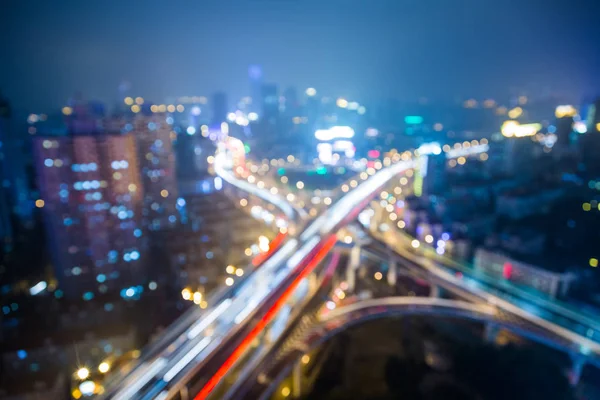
392,275
352,266
375,220
297,380
491,332
435,291
576,369
350,278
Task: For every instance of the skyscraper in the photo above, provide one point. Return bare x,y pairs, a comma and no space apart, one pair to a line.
255,75
13,174
593,117
219,107
291,101
590,142
564,127
5,213
270,102
91,200
435,174
157,161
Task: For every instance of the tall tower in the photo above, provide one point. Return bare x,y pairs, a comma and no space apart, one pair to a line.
270,102
5,201
291,101
255,75
157,162
590,142
219,107
13,173
593,117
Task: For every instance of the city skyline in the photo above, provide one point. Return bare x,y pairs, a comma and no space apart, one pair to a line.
401,50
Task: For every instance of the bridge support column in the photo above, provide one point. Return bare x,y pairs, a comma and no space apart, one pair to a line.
297,381
574,375
353,264
392,275
435,291
376,220
491,332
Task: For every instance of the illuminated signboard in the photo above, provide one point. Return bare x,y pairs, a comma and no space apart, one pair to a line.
371,132
342,145
373,153
512,128
325,151
335,132
565,111
413,119
346,146
430,148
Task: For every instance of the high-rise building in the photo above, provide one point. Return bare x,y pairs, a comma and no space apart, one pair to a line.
270,102
154,138
13,169
125,190
593,117
91,197
5,213
564,128
435,179
590,142
219,107
255,76
291,101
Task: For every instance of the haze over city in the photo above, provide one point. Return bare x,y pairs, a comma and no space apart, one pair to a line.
401,49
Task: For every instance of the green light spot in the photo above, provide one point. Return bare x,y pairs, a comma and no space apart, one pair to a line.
413,119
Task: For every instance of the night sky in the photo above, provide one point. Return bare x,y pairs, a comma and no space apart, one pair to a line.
362,49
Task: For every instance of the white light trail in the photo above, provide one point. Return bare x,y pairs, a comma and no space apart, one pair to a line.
209,319
186,359
137,383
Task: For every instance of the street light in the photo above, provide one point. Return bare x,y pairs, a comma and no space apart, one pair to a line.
82,373
104,367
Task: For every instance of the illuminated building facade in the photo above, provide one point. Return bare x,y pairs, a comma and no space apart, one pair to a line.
5,224
157,164
91,214
13,176
219,108
435,177
255,76
269,102
125,190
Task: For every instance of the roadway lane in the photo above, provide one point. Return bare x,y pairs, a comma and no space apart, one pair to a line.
532,301
162,351
243,304
292,212
555,323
